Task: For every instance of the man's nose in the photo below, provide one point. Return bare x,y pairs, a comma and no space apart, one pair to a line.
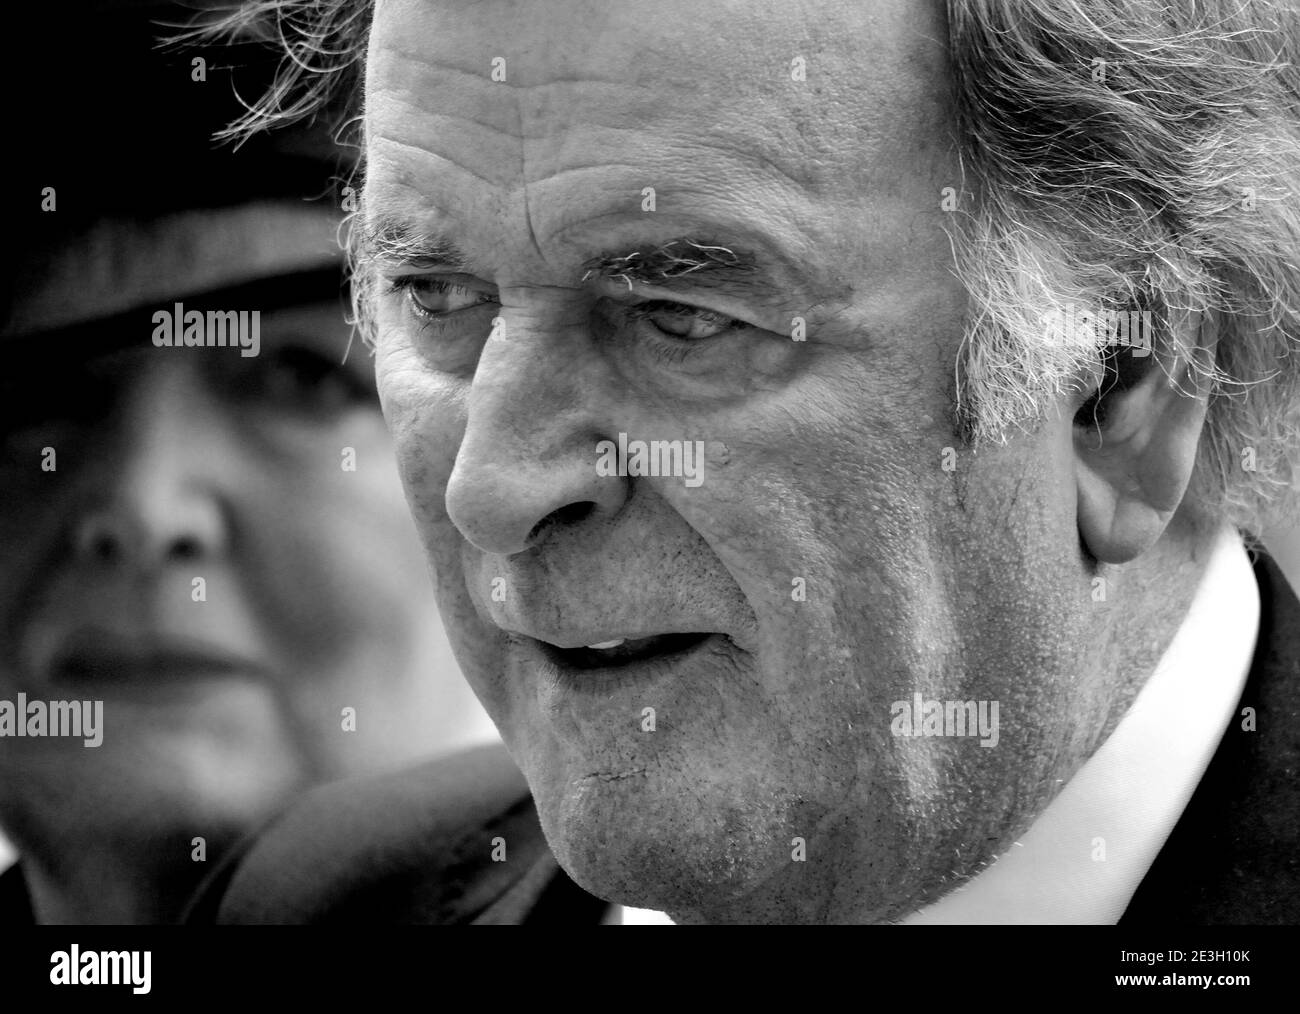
151,499
527,460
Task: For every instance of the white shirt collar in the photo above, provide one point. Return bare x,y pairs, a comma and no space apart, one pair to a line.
1082,859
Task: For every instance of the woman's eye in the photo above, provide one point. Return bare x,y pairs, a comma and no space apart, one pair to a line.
301,378
689,323
436,297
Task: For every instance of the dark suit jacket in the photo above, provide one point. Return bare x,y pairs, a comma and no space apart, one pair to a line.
417,847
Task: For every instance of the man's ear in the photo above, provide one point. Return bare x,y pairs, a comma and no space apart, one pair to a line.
1135,438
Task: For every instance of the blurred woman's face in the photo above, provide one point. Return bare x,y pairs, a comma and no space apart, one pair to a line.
222,555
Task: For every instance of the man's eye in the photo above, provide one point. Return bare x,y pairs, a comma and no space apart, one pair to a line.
689,323
437,297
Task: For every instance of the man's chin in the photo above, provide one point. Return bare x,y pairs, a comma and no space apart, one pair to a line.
633,840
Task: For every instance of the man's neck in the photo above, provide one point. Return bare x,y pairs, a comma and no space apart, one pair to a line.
1166,583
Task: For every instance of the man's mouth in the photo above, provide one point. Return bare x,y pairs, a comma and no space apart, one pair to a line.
626,651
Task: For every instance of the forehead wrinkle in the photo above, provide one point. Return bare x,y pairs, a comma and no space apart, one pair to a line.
413,151
475,74
406,77
526,112
769,144
747,64
506,113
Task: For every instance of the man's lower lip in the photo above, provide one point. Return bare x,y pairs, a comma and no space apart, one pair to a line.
624,653
581,669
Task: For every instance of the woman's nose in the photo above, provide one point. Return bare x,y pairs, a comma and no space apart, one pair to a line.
154,496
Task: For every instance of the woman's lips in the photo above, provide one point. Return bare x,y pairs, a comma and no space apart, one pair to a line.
103,658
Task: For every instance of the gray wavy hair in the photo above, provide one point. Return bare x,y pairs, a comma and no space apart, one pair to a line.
1116,154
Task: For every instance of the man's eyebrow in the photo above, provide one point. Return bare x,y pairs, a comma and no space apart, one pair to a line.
394,243
678,258
385,241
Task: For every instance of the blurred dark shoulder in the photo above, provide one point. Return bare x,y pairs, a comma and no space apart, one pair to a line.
451,841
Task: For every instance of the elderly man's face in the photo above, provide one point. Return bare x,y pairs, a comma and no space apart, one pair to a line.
838,551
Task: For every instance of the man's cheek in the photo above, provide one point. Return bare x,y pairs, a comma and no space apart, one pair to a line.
408,386
426,424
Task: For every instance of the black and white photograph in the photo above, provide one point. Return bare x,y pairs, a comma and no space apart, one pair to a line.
585,463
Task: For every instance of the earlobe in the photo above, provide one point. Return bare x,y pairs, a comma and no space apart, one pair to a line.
1133,467
1122,512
